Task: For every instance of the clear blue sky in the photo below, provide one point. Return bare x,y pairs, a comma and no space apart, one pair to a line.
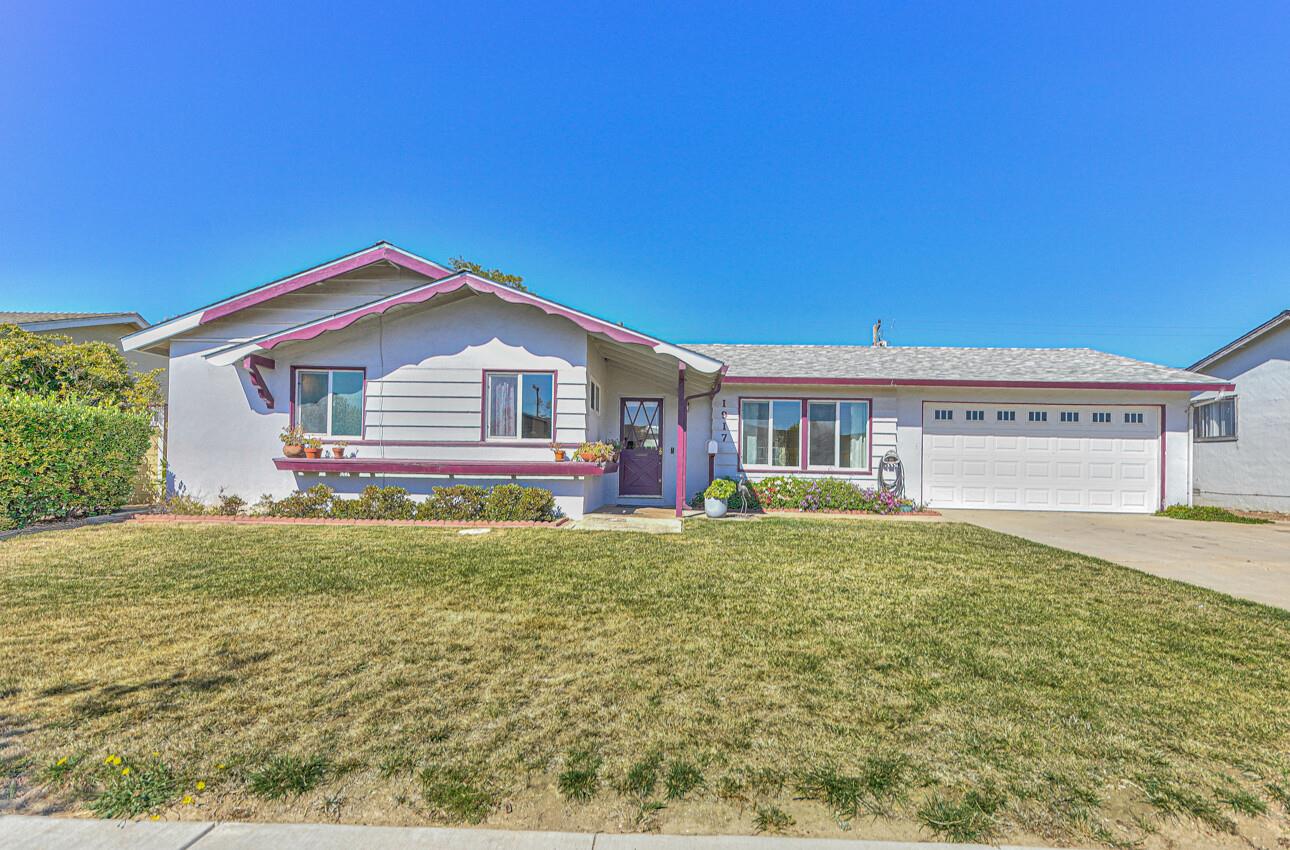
1112,175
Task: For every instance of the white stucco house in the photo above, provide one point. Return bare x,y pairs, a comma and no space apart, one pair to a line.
432,375
1242,435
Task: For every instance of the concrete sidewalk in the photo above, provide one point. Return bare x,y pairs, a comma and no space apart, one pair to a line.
19,832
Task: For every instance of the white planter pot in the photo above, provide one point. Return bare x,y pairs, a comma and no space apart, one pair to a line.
715,508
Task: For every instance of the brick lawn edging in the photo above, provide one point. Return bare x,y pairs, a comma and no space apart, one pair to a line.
285,520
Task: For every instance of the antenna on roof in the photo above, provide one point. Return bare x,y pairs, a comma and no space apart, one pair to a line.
878,341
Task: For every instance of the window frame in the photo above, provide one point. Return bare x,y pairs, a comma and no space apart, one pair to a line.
296,371
519,408
1236,420
593,397
804,447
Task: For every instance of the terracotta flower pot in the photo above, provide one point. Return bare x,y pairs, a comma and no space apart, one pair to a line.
559,454
313,453
293,451
588,456
337,451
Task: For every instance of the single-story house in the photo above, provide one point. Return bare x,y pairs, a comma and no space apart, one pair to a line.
1242,443
430,375
90,327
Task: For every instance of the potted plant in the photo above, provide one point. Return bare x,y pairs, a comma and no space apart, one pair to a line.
313,447
338,449
587,452
717,497
557,451
293,441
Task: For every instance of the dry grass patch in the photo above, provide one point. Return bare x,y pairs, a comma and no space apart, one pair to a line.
938,677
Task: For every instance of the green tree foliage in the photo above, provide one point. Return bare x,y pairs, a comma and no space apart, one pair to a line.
52,366
514,281
66,458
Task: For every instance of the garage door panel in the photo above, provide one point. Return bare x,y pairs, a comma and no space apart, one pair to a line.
1111,464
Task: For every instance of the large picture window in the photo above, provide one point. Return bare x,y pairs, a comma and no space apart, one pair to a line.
520,405
839,434
1215,420
329,402
772,432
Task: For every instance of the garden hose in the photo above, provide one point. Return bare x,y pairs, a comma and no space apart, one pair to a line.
891,474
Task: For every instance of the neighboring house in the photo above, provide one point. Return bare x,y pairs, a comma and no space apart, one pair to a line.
91,327
1241,438
430,374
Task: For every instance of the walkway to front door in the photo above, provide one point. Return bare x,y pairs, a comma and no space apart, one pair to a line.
640,463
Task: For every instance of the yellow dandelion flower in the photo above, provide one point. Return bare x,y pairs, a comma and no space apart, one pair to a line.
219,767
62,761
154,817
116,759
201,786
108,760
155,754
125,771
188,799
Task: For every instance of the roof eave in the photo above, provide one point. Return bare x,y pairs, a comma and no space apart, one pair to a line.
1241,341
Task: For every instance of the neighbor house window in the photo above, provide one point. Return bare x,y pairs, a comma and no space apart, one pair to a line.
520,405
1133,418
329,402
1070,415
1102,416
838,434
1215,420
1006,415
976,416
1039,416
771,431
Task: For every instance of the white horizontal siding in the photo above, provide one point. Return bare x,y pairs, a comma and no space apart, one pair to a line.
725,430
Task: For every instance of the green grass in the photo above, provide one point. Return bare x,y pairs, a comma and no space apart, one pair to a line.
1207,513
962,682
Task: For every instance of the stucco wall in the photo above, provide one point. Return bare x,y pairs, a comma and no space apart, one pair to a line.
1253,471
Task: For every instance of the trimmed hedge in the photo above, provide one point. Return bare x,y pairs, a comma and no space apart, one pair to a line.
502,503
65,458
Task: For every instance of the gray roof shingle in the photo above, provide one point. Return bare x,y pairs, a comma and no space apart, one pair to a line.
912,363
33,316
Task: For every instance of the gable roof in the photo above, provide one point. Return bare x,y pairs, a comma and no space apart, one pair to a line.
1070,368
455,282
380,252
1282,318
45,321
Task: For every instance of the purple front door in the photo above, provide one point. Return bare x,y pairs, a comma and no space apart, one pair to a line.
640,464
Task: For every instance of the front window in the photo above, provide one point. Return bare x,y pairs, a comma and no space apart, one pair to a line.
838,434
772,432
520,405
329,402
1215,420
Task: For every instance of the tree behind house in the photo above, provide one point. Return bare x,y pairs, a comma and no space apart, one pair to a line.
514,281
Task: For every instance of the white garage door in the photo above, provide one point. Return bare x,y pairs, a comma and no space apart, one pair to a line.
1041,457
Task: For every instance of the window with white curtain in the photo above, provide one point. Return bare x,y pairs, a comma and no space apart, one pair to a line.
838,434
771,432
520,405
1215,420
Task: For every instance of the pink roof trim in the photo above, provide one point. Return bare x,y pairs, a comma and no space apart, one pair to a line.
946,382
317,275
452,284
410,466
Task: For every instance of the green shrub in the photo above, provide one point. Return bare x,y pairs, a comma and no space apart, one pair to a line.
66,458
93,373
722,488
513,503
230,505
314,502
788,492
460,502
376,503
183,505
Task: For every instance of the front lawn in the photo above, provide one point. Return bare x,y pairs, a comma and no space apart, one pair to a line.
868,679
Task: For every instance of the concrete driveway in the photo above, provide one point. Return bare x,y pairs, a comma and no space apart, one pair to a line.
1249,561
